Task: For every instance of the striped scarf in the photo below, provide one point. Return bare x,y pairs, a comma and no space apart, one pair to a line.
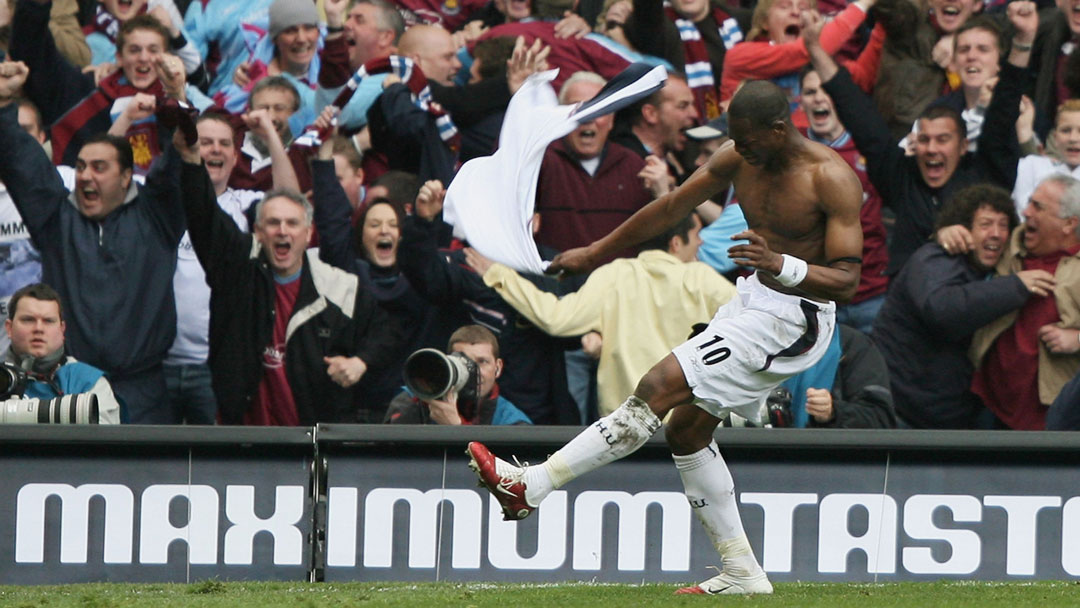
105,23
699,74
410,74
99,109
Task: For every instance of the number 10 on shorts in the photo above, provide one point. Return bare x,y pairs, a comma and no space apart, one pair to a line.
717,354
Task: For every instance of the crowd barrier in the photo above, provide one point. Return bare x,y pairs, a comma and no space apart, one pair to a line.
359,502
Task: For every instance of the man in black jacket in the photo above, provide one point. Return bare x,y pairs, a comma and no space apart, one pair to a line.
938,301
916,187
535,373
289,334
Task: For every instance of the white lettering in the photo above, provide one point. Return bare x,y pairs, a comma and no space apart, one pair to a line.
341,509
200,533
74,521
965,545
1021,512
674,536
1070,528
835,540
778,524
551,537
240,537
424,516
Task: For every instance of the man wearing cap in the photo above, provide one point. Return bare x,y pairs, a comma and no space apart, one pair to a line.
588,185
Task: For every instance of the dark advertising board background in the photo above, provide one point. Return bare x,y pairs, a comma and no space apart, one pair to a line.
342,503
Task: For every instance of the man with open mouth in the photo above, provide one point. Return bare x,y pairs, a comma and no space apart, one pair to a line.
916,187
289,334
187,374
937,302
588,185
916,56
109,247
77,107
1023,359
656,125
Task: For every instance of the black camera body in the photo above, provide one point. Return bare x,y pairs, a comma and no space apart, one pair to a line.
13,381
80,408
775,413
430,374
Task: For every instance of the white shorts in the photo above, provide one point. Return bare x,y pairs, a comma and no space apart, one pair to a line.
753,343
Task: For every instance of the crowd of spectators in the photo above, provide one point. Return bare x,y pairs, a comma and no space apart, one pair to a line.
232,211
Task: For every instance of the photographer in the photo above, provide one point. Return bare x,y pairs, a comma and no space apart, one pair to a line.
35,325
480,345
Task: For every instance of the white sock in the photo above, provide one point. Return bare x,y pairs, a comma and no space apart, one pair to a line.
616,435
711,493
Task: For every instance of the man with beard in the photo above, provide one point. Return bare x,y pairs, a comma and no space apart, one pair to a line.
936,304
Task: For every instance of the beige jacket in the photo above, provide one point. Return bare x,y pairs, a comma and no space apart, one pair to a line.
69,38
1054,370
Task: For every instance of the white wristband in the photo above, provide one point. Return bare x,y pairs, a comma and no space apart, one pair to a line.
793,271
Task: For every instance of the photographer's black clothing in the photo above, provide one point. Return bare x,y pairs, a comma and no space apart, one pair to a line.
860,392
332,316
114,276
534,377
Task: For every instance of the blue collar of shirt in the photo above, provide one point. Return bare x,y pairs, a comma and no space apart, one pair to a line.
839,142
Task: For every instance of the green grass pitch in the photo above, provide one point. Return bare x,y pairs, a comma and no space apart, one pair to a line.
206,594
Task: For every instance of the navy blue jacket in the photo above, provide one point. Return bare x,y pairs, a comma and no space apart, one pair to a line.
114,276
924,329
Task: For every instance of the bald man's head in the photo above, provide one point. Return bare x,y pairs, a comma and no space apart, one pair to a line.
432,48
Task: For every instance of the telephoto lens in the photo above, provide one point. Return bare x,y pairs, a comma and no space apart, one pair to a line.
429,374
81,408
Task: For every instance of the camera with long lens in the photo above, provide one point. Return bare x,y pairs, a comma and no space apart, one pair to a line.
431,374
80,408
775,412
